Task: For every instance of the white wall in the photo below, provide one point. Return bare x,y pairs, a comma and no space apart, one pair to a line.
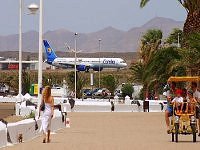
27,129
3,134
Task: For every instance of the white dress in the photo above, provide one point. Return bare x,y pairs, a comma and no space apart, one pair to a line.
46,118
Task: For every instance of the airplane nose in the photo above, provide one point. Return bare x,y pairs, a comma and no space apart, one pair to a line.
125,64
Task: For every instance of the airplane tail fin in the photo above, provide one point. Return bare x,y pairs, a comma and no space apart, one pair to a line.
50,54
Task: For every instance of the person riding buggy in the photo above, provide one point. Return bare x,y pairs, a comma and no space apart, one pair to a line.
181,108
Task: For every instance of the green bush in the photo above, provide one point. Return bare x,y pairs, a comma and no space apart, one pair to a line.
31,115
109,82
127,89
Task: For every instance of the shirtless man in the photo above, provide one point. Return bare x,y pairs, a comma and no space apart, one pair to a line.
196,95
169,111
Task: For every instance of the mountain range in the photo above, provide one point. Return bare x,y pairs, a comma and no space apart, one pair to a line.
113,40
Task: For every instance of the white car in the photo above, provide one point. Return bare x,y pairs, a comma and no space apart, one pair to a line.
101,92
4,88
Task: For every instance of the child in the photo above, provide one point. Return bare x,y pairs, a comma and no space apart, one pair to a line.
184,106
192,101
178,100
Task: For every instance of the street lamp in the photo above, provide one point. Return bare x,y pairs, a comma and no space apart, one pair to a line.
75,51
178,45
99,63
33,9
40,54
20,49
75,61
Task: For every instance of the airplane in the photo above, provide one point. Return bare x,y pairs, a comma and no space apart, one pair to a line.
82,64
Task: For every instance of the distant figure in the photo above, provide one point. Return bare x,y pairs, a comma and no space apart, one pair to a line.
161,106
48,102
138,104
71,102
72,94
112,106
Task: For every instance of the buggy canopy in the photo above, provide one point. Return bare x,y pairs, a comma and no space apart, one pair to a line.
184,79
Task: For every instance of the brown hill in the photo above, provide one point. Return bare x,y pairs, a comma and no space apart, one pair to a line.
113,40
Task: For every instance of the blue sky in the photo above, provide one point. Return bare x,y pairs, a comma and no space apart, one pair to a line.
87,15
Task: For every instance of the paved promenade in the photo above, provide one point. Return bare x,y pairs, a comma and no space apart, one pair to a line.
112,131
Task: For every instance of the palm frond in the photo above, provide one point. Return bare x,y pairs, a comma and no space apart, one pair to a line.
143,3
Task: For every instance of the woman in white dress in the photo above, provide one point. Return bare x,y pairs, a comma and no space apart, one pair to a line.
48,112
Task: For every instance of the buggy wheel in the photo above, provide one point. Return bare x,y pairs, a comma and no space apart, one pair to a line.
194,133
176,132
172,137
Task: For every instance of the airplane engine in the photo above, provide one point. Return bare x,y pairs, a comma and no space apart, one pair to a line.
81,68
97,68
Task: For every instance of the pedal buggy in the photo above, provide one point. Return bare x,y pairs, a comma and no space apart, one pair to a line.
184,122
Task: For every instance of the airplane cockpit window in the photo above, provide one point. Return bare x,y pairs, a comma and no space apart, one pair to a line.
122,61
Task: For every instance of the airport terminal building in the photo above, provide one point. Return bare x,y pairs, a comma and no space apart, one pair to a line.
13,64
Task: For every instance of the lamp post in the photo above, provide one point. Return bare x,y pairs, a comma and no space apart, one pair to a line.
33,8
40,53
75,51
20,49
99,63
178,45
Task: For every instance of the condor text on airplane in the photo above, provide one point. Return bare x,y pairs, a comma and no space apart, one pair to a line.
82,64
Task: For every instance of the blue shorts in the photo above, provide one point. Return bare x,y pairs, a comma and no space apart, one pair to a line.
170,110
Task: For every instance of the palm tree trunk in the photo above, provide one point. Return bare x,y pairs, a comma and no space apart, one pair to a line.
147,93
192,23
156,90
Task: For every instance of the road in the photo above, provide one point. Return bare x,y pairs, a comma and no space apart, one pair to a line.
112,131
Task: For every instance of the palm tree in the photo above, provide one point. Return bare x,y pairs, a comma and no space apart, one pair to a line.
138,70
81,82
192,23
139,76
26,82
189,55
175,37
150,43
158,63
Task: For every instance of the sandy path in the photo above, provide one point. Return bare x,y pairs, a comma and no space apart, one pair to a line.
112,131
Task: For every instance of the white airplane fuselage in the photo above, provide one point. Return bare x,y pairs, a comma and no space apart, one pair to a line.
82,64
90,62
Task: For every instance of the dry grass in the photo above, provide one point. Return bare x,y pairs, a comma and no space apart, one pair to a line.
11,119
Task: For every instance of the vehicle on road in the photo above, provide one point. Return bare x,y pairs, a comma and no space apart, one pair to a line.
87,93
4,88
184,122
101,93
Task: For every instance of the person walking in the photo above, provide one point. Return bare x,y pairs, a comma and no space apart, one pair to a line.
47,106
196,95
